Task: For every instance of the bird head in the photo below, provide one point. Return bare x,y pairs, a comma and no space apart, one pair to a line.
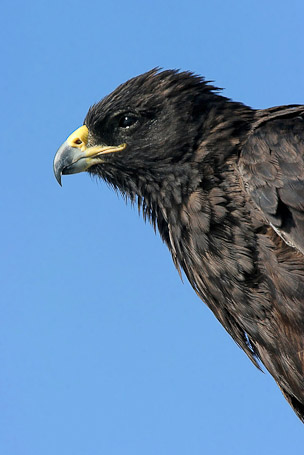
145,126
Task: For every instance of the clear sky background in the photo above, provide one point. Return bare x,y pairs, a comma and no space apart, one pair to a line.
103,350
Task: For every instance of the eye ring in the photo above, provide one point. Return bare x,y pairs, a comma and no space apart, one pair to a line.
127,120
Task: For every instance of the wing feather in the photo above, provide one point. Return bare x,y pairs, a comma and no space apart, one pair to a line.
272,168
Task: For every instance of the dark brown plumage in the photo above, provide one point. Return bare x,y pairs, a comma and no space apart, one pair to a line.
224,184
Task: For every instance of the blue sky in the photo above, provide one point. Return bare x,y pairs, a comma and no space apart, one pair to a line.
103,350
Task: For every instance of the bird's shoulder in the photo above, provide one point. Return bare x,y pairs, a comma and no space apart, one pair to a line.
271,165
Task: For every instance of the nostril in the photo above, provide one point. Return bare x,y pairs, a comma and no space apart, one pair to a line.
77,141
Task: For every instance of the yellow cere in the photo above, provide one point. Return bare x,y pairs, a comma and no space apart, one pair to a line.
79,138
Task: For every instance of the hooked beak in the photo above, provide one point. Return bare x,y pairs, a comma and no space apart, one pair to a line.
74,156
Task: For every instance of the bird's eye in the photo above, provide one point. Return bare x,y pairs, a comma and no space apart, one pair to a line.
127,120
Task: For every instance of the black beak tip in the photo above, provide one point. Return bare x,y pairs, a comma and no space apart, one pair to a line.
58,174
58,167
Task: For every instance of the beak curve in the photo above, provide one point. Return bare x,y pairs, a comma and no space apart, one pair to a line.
68,161
73,156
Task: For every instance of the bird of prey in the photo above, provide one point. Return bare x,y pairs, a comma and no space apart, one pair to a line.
224,185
